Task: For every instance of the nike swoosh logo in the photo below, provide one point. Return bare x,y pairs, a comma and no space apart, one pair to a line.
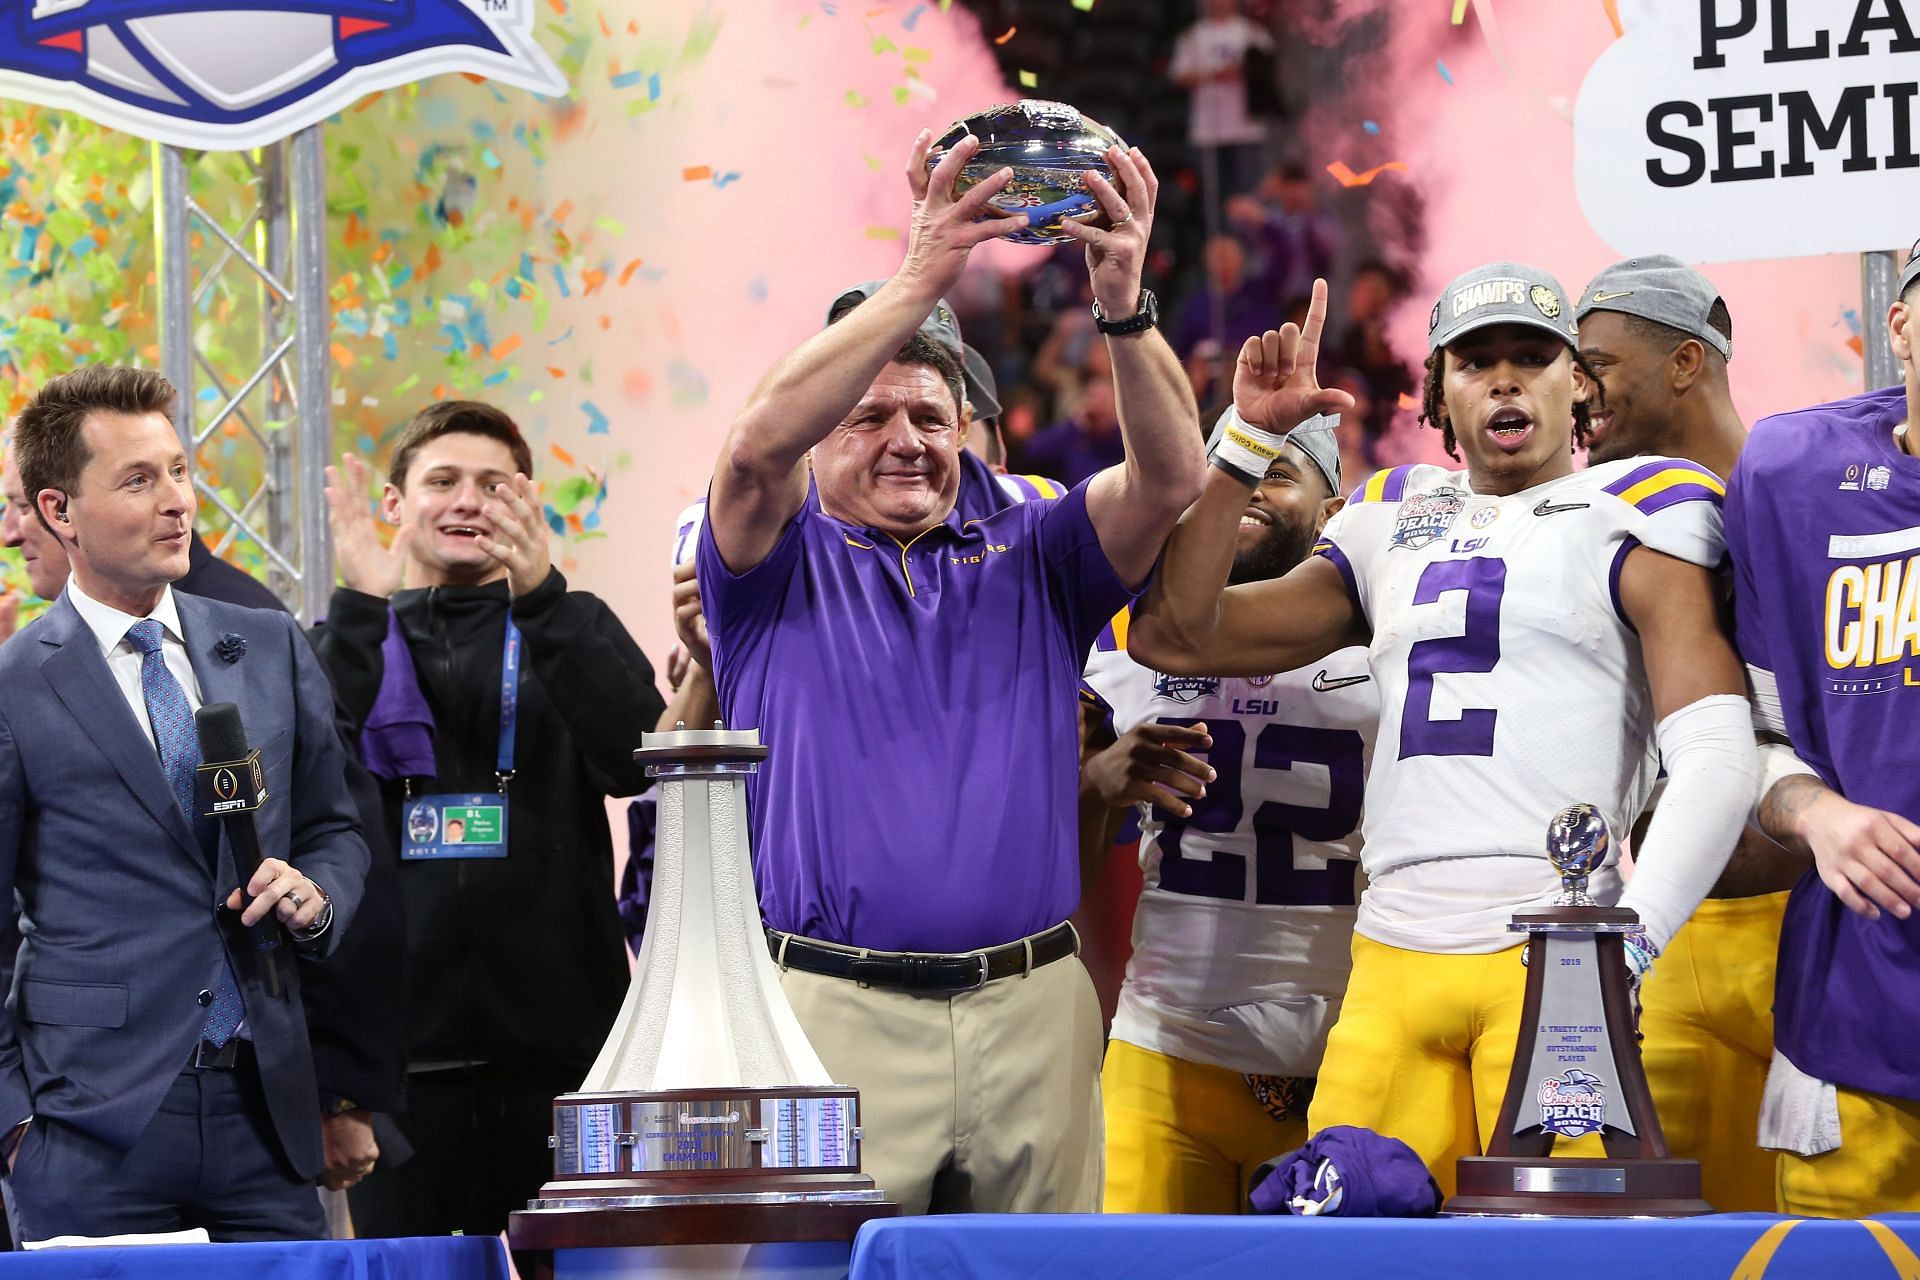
1321,684
1555,508
1609,297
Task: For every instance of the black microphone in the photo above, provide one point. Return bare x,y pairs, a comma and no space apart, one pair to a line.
231,785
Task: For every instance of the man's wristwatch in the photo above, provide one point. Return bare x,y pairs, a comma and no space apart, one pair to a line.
1146,315
321,921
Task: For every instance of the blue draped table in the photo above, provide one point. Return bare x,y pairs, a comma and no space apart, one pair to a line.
1749,1246
437,1258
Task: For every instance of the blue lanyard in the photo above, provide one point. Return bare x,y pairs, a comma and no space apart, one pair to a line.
509,702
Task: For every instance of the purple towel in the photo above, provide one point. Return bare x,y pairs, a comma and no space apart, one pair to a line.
1347,1172
397,740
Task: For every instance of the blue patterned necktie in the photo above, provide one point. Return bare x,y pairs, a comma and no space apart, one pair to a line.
179,756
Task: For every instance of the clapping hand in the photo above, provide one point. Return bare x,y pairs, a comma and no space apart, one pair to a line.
367,564
519,539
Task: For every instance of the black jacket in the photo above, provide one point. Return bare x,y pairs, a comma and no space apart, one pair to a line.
356,1002
516,959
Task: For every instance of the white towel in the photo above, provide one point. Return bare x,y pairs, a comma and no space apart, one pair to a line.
198,1235
1797,1112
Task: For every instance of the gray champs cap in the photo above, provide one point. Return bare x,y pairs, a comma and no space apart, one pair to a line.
1662,289
1500,293
1314,437
1910,272
942,327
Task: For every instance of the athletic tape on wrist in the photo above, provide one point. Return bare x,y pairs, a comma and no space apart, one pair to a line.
1243,450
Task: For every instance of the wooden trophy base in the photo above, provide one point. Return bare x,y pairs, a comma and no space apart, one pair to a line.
1545,1187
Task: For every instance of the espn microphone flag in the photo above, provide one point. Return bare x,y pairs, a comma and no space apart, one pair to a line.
230,779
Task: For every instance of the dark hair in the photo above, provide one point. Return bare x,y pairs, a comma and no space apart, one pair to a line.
1667,337
1433,401
457,417
920,349
48,446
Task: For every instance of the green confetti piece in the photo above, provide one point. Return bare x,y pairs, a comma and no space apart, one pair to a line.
611,226
1028,80
916,54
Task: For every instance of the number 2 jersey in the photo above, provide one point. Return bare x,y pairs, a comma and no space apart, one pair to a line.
1241,937
1510,682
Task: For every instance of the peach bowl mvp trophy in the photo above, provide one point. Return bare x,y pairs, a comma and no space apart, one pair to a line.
708,1118
1577,1069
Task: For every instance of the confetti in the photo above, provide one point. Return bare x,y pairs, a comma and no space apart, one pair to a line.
1613,16
1371,126
1348,178
1441,67
1459,12
855,98
1028,80
627,79
883,233
1084,6
1408,403
913,16
597,424
723,180
626,272
696,173
1005,36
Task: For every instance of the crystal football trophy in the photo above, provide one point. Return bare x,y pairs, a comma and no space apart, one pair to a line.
1577,1068
708,1118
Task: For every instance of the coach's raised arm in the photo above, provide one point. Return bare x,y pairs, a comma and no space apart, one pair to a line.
908,639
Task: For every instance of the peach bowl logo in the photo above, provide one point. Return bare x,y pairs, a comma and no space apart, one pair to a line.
229,75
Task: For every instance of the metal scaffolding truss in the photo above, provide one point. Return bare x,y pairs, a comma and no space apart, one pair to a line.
244,319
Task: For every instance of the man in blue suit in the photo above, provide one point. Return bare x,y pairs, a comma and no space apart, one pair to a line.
153,1077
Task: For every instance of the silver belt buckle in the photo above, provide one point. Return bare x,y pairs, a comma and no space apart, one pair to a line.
981,981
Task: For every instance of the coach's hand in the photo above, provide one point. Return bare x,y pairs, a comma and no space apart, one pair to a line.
519,538
1152,764
1117,253
367,564
1276,386
1869,858
946,227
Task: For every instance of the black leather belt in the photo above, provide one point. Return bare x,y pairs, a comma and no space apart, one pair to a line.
918,971
225,1058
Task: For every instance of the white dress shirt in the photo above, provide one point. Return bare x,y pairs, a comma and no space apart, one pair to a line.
109,626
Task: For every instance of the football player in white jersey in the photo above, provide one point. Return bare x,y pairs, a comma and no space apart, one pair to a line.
1532,631
1242,933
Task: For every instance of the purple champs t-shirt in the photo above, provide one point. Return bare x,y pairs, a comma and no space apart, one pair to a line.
1823,523
921,705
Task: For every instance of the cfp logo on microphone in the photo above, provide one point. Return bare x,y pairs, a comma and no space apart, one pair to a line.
232,786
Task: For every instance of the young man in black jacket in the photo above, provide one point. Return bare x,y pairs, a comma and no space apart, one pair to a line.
520,732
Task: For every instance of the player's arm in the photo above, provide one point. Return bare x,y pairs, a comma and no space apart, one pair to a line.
1191,622
1132,506
760,480
1703,729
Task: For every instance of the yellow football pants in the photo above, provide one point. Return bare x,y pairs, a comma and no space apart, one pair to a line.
1708,1022
1875,1169
1422,1052
1184,1137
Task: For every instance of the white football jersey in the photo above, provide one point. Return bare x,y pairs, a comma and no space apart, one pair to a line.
1242,934
1510,682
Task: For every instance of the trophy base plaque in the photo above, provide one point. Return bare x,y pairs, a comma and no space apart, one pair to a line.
702,1166
1522,1186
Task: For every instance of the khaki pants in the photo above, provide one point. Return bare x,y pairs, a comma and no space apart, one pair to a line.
985,1101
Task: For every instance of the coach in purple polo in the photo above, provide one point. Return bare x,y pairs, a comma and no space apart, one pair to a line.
915,673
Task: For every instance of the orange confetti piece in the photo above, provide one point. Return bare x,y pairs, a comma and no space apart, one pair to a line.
342,356
1613,15
432,263
560,214
556,371
566,459
1408,403
1859,347
697,173
626,272
605,30
1005,36
1348,178
505,347
592,279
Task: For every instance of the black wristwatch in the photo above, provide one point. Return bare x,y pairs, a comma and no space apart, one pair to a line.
1146,315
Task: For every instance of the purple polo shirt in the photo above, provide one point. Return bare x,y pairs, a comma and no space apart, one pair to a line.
920,701
1823,523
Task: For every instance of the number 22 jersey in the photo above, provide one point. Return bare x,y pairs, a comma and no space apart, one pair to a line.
1241,937
1510,681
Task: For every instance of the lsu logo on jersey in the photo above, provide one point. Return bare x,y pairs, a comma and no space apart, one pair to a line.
1573,1103
1184,688
1427,516
1873,617
226,75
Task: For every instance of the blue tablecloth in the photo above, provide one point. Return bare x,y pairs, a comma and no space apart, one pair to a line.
439,1258
1736,1246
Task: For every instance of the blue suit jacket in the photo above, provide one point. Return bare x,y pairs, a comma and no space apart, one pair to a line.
118,920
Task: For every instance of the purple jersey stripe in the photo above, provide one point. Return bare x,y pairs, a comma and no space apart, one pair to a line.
1676,494
1333,553
1395,490
1645,472
1613,580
